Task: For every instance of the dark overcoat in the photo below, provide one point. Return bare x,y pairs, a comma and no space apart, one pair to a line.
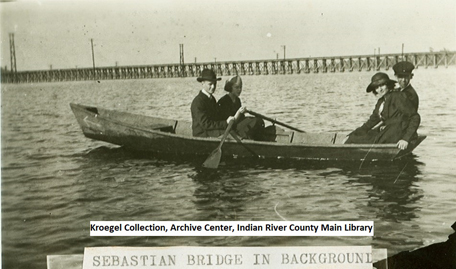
411,94
246,127
206,120
227,107
398,120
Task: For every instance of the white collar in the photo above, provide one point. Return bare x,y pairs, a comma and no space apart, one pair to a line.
206,93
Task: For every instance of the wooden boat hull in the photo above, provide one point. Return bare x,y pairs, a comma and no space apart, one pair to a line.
144,133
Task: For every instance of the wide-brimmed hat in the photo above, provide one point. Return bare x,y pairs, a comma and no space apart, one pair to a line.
403,68
379,79
233,81
209,75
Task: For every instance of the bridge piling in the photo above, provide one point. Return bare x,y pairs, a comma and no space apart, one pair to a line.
230,68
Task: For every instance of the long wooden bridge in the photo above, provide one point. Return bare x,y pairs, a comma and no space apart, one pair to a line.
259,67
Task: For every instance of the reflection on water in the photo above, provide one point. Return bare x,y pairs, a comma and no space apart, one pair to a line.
390,190
383,191
394,194
222,195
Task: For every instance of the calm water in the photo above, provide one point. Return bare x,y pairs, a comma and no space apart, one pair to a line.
55,181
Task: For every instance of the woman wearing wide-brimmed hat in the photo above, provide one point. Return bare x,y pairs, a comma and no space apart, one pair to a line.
394,119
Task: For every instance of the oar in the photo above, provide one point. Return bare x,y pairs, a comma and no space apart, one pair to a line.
274,121
213,160
233,134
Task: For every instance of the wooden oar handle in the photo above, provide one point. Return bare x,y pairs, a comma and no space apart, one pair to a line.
234,135
274,121
227,131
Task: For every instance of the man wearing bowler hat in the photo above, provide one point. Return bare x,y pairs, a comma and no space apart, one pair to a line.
206,119
403,72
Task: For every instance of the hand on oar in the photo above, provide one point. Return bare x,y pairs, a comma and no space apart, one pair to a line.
274,121
213,160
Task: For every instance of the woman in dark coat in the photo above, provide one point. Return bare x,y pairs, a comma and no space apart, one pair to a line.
394,119
228,105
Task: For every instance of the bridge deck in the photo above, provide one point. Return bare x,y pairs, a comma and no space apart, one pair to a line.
259,67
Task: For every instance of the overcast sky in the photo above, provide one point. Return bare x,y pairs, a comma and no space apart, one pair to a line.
139,32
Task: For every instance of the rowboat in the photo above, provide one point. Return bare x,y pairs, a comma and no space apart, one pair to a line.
159,135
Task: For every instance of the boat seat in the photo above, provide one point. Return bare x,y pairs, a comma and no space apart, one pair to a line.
183,128
314,138
284,137
162,127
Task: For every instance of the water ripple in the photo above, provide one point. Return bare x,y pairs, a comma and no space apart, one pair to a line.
55,181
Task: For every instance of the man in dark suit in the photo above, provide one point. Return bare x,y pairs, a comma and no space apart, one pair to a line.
206,119
403,72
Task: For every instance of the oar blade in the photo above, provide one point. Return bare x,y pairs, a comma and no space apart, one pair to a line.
213,160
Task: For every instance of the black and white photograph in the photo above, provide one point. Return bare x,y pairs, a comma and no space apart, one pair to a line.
256,117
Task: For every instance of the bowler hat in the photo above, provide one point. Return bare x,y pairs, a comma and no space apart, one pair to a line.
403,68
379,79
209,75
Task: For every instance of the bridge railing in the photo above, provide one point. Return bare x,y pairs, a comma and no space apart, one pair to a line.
229,68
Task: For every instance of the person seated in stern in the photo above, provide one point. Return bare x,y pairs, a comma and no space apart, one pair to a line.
394,119
246,127
403,72
206,119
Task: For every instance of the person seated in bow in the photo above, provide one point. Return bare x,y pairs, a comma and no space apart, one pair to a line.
206,119
246,127
394,119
